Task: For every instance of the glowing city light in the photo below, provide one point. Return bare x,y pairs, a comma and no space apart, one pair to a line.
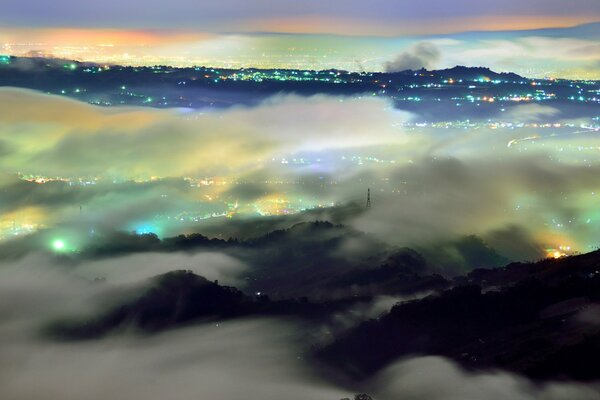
58,245
145,229
561,252
557,254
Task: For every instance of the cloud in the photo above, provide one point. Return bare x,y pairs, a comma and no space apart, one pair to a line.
252,358
436,378
530,113
40,285
132,142
421,55
137,267
527,54
289,154
441,198
57,137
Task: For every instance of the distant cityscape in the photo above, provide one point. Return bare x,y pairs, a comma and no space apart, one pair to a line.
205,87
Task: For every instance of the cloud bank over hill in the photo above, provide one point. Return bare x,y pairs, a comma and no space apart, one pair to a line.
254,358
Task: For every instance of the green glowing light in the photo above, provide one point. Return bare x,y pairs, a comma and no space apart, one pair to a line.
58,245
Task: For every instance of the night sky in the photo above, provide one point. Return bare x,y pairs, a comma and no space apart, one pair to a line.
314,16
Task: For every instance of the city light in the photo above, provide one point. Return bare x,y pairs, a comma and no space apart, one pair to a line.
58,245
146,229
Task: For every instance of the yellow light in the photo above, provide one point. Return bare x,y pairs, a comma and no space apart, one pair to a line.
556,254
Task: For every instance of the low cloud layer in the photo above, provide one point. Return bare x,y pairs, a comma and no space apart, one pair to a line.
435,378
289,154
531,113
57,136
257,358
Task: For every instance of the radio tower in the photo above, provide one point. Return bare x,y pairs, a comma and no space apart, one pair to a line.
368,198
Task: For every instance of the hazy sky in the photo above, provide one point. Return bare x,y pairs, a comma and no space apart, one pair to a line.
530,37
314,16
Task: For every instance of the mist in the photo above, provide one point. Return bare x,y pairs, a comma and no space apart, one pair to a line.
290,155
254,358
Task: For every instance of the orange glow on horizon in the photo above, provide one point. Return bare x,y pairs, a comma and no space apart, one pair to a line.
314,24
309,24
49,37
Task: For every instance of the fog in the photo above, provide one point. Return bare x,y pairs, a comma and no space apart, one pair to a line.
290,154
249,358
